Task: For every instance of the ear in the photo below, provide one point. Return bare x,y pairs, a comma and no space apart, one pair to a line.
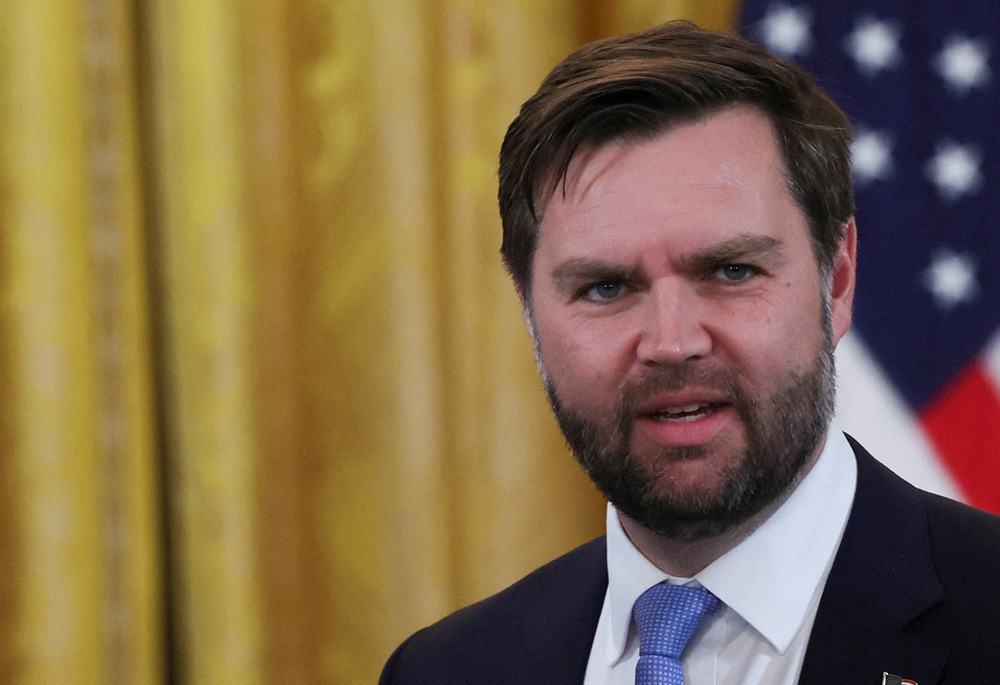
529,319
843,272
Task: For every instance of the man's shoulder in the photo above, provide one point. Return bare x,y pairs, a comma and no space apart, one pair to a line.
547,588
962,562
962,538
966,544
911,588
904,518
485,640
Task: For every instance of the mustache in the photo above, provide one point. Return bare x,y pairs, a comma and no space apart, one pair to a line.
663,379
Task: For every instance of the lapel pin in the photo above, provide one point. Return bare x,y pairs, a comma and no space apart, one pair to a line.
890,679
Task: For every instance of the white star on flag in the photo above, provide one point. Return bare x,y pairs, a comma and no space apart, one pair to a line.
955,170
785,30
951,278
964,64
871,156
874,45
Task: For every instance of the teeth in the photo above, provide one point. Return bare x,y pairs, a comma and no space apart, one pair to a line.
683,419
684,410
691,412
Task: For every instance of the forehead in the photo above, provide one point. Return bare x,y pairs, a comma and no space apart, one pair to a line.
717,173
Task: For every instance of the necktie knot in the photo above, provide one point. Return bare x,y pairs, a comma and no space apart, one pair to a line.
667,616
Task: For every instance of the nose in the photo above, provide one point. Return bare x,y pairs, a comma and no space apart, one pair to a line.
674,330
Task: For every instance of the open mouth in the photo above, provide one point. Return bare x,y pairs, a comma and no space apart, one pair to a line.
690,412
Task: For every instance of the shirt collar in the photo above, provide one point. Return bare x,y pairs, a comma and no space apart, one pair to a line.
772,578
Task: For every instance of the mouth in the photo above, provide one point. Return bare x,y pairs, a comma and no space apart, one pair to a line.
685,422
686,413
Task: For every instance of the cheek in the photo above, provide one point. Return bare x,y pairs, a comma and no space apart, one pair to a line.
587,361
779,333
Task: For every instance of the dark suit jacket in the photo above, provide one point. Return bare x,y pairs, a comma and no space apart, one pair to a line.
914,590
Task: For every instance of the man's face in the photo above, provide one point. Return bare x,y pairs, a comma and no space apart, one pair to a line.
681,325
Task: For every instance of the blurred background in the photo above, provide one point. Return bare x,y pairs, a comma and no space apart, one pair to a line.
266,402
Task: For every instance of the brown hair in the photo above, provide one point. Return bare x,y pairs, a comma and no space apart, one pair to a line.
634,87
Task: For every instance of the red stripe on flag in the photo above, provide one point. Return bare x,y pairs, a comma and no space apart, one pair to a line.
963,424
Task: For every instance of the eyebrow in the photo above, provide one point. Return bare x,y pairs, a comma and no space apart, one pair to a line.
731,250
583,269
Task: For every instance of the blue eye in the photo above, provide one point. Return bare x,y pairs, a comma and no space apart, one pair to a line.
734,272
608,290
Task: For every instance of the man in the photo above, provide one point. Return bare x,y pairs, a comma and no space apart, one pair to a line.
677,213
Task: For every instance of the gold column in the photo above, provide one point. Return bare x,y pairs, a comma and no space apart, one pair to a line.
291,584
370,395
131,506
209,332
80,590
50,395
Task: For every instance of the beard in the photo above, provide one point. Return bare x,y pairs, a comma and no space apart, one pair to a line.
782,434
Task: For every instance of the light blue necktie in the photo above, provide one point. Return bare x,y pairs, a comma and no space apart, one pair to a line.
667,617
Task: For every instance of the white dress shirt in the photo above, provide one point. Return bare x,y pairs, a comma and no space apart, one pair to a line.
770,584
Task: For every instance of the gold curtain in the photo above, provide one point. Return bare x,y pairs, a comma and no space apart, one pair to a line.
266,402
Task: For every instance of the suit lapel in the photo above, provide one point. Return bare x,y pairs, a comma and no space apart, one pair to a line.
558,628
882,578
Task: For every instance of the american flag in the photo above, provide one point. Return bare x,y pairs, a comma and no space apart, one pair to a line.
920,372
